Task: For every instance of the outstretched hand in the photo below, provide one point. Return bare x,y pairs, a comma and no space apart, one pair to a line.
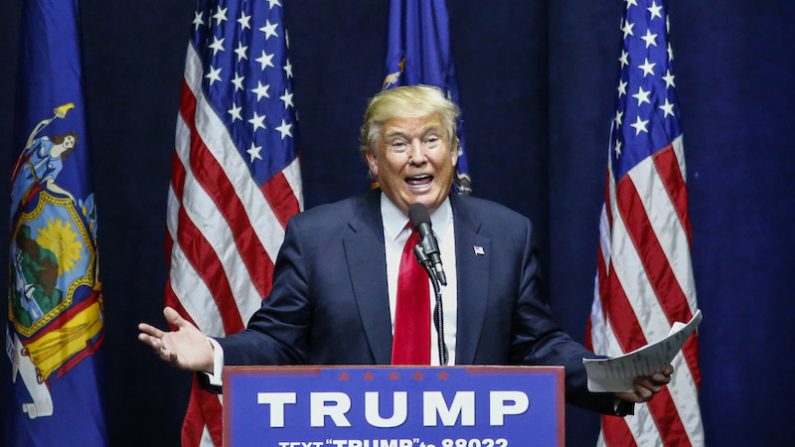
185,348
645,387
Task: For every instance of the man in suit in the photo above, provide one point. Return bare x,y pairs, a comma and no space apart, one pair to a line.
336,296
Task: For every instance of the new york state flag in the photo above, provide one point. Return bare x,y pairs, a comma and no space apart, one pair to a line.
55,325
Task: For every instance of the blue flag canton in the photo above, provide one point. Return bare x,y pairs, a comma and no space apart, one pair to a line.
647,114
248,79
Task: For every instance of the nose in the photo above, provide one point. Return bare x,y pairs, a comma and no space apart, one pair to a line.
417,153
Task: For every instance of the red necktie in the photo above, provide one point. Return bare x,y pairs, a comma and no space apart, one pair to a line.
411,343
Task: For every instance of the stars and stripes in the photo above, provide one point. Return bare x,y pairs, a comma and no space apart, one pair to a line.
235,177
645,279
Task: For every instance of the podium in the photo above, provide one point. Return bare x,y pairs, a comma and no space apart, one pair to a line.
372,406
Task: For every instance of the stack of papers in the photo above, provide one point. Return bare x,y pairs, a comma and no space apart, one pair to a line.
616,374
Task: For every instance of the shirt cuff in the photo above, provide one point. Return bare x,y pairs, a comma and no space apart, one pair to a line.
216,377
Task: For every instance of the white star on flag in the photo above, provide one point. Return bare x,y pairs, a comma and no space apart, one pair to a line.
624,59
284,129
647,67
237,81
642,96
257,121
220,15
640,126
287,99
197,20
244,21
214,75
655,9
669,79
269,29
240,51
261,91
217,45
667,108
622,88
266,60
650,39
627,29
235,112
254,151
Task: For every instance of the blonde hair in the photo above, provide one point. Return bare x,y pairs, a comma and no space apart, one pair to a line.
415,101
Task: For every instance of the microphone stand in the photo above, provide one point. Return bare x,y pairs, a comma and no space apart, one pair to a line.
438,311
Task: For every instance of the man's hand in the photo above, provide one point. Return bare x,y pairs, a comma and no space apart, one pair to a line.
645,387
186,348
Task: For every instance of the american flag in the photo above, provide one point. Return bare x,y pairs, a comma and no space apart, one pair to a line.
645,279
235,177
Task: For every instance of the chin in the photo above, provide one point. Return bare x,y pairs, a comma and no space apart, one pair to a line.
430,202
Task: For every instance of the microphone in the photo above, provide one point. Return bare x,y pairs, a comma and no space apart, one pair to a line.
421,221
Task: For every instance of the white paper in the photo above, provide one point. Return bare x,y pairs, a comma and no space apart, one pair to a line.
616,374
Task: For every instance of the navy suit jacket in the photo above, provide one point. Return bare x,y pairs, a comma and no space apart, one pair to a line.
329,303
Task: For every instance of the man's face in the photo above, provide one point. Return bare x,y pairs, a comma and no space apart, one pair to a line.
414,161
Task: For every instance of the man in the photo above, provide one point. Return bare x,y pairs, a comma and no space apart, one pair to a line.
338,282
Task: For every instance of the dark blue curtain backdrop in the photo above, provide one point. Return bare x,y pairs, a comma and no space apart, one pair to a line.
537,81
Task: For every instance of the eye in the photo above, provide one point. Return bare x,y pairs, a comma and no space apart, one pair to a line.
397,145
432,141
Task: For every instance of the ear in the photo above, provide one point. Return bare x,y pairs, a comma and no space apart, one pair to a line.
454,151
372,162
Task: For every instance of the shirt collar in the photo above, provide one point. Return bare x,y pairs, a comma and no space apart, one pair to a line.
395,221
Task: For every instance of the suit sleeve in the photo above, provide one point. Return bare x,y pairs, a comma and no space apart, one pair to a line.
277,333
538,340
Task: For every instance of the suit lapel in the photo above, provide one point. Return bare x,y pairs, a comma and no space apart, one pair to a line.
364,251
473,280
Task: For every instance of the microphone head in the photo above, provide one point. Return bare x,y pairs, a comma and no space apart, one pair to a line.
418,214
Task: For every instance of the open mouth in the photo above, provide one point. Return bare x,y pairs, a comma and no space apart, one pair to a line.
419,181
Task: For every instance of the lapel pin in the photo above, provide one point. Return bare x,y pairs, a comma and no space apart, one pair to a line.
479,251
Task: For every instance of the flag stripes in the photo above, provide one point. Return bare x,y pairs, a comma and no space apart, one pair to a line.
644,285
672,174
281,196
219,195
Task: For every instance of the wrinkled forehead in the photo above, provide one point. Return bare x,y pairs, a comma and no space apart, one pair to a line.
413,126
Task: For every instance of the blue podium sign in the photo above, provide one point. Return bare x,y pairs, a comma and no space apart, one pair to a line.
393,406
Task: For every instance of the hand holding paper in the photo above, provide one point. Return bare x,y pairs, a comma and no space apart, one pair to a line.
619,373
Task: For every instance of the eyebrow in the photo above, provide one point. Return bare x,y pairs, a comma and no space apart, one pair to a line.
394,133
425,131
